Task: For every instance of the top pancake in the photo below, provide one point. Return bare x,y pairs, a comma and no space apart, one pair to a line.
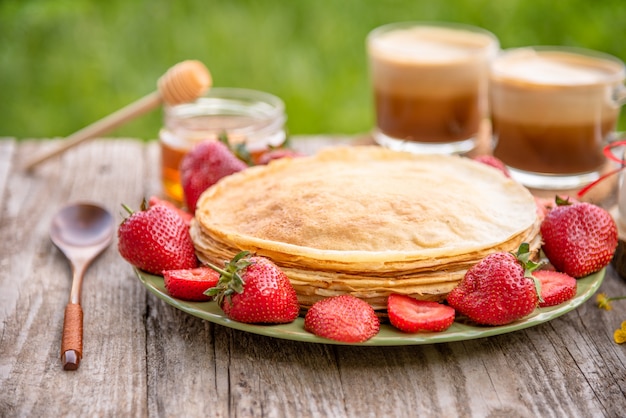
367,204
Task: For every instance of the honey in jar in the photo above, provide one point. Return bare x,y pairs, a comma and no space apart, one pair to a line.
246,116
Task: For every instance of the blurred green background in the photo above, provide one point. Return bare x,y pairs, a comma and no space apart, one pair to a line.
67,63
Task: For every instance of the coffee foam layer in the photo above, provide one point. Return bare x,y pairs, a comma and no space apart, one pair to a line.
428,45
554,87
554,68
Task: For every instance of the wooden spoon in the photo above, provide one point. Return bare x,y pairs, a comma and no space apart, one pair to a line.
81,231
184,82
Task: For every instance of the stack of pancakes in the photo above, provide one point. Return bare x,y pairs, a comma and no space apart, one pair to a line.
366,221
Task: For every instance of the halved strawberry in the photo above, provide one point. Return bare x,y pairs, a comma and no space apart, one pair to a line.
411,315
190,284
556,287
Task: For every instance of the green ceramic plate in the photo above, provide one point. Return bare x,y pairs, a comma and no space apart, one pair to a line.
388,336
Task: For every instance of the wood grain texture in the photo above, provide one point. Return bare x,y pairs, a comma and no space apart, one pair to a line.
143,357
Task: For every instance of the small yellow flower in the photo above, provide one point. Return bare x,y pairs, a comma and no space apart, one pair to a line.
603,301
620,334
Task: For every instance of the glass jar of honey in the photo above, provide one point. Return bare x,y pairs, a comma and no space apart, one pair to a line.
247,116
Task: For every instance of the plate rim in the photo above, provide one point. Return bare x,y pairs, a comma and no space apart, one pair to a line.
390,336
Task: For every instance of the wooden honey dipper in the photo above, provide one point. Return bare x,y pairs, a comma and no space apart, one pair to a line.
183,83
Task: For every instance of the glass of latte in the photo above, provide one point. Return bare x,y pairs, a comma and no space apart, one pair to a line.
553,109
430,85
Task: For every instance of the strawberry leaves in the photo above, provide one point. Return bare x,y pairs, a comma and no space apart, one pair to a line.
524,255
231,280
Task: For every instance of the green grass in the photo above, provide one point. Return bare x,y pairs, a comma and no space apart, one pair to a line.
67,63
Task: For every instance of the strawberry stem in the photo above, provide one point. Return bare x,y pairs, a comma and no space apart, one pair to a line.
523,254
219,270
129,210
144,205
231,277
562,202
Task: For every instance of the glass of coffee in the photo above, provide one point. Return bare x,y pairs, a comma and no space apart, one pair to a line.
552,111
430,85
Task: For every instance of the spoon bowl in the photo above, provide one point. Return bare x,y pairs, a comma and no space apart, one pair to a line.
81,231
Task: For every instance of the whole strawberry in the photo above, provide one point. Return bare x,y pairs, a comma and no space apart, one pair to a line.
203,166
343,318
156,239
497,290
254,290
579,238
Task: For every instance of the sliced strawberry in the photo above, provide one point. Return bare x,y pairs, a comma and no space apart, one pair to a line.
411,315
343,318
155,200
556,287
190,284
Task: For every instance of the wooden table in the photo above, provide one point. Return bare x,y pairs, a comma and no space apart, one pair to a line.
145,358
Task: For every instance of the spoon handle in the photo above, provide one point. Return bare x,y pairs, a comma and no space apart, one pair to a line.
72,341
